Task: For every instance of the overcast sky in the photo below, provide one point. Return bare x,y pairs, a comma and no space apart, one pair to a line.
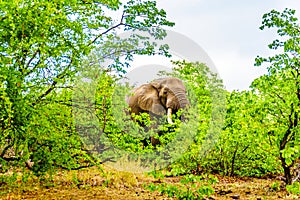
228,30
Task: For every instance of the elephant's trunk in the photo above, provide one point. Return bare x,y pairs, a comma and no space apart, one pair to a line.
182,100
174,104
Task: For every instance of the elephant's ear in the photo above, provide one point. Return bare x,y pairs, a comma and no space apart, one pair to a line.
148,100
157,85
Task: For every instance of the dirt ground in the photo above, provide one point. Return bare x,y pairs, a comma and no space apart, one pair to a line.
93,184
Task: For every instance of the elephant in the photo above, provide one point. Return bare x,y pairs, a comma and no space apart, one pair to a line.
159,97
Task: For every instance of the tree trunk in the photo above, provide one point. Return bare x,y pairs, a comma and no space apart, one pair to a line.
287,171
286,168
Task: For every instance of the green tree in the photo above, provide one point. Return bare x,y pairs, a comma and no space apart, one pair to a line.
42,44
280,89
244,148
208,109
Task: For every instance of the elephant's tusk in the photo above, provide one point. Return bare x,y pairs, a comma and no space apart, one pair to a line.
169,115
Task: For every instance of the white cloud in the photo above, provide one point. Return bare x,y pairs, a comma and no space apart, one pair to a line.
237,71
228,30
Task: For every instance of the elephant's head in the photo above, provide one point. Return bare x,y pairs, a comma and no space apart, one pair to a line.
162,96
172,94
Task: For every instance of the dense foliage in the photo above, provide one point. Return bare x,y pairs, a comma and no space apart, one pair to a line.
280,89
61,108
41,51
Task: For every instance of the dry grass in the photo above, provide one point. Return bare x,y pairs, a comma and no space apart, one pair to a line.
250,188
94,183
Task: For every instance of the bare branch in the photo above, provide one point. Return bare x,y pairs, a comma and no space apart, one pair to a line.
53,85
33,56
105,32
